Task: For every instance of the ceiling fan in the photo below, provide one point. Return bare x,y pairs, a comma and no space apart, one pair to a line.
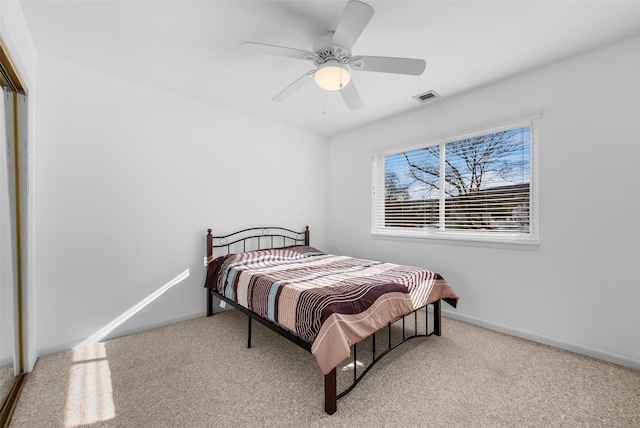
331,55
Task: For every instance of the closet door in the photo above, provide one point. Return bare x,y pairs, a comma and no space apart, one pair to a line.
7,238
13,225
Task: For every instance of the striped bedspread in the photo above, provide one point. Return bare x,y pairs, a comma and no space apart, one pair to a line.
329,301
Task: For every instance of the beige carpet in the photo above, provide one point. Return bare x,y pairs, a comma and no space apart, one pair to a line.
199,373
6,380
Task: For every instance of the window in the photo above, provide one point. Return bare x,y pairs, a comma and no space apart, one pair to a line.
477,186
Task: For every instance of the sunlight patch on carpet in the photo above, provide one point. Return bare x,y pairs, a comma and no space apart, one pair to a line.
90,393
349,366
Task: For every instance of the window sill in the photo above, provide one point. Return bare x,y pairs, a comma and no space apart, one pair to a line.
460,238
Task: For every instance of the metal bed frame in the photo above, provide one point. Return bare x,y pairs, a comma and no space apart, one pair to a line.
254,238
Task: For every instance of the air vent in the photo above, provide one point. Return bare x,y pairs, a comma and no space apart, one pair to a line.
429,95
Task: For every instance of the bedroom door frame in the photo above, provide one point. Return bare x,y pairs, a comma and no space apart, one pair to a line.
12,82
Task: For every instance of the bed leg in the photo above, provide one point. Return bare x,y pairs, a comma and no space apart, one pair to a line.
209,259
249,333
330,400
437,318
209,303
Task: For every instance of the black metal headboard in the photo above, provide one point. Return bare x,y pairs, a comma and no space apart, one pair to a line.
255,238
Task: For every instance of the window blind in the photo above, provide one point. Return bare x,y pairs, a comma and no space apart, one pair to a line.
479,185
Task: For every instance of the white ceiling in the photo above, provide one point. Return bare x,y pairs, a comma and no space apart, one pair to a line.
192,47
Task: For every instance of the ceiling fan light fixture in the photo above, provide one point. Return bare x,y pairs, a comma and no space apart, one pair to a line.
332,76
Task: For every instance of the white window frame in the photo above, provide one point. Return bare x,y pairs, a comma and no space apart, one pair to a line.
531,238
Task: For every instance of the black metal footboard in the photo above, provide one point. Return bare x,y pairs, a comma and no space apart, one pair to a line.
331,396
390,344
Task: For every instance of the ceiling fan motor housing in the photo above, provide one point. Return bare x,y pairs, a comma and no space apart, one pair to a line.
325,51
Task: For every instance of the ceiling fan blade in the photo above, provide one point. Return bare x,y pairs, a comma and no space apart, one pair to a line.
355,17
301,82
351,97
263,48
386,64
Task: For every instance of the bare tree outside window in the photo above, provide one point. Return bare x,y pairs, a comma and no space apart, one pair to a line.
486,184
394,190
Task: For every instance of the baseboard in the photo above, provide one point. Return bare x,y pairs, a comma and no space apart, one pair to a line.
163,323
123,332
535,337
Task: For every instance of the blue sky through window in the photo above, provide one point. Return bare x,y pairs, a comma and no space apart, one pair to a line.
472,164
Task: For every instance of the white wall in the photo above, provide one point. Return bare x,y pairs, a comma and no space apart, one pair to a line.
128,180
17,38
580,289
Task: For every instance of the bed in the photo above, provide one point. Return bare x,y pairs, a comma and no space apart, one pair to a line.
324,303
